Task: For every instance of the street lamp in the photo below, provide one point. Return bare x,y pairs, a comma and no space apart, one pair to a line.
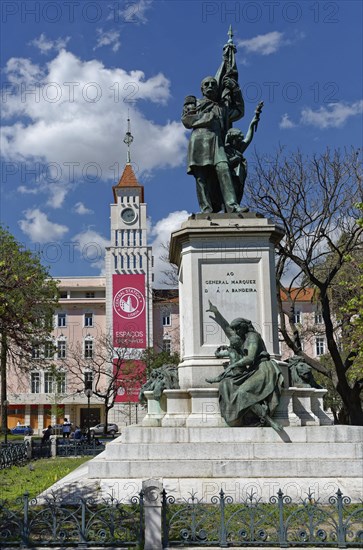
88,392
5,413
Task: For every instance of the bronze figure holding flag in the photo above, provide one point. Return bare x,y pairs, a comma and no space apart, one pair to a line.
210,118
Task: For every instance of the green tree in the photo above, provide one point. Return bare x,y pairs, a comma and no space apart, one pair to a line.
156,359
28,297
314,200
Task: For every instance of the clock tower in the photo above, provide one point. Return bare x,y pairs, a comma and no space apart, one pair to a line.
128,266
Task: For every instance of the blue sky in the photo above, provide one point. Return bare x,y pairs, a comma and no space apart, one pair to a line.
72,71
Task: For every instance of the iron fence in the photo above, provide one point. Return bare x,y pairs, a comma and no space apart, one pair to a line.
280,522
13,454
40,449
84,523
73,447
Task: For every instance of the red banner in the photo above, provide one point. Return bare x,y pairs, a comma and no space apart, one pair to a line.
129,311
129,377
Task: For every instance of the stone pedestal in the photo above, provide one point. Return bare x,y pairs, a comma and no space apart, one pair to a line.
325,418
284,414
205,408
155,410
178,408
302,406
228,260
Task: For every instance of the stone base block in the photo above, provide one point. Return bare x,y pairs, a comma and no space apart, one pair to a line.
156,410
302,406
205,408
178,408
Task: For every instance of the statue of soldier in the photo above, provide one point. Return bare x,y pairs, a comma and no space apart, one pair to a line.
210,118
207,159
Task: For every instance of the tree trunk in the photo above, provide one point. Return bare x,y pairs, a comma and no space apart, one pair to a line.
3,357
350,396
107,408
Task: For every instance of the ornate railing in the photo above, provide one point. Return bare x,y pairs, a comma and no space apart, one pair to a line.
280,522
84,523
13,454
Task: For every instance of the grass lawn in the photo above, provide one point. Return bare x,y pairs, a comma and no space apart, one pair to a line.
36,476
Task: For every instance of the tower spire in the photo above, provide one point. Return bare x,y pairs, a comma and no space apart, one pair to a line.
128,139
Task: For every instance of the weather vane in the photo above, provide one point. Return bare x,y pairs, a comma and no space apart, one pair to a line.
128,139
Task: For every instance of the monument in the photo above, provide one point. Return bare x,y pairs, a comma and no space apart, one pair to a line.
243,426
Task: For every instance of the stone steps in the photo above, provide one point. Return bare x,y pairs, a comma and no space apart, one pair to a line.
220,451
295,434
212,468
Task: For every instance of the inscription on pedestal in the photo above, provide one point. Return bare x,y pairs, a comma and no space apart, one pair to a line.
235,290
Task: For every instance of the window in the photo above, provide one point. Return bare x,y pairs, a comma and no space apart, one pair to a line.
63,294
166,320
88,379
88,319
318,318
320,345
61,349
35,382
167,345
90,294
297,317
88,349
62,318
115,261
36,351
48,350
61,382
48,382
116,237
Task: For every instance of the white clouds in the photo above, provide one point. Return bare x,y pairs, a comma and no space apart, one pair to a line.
81,209
108,38
286,123
46,45
333,116
91,246
39,229
267,44
160,234
74,114
264,44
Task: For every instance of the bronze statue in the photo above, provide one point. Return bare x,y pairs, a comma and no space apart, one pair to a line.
251,384
301,374
162,378
219,179
235,146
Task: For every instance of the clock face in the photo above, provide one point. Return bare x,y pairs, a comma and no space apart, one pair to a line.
128,215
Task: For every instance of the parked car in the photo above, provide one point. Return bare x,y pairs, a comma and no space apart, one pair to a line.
22,429
112,429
